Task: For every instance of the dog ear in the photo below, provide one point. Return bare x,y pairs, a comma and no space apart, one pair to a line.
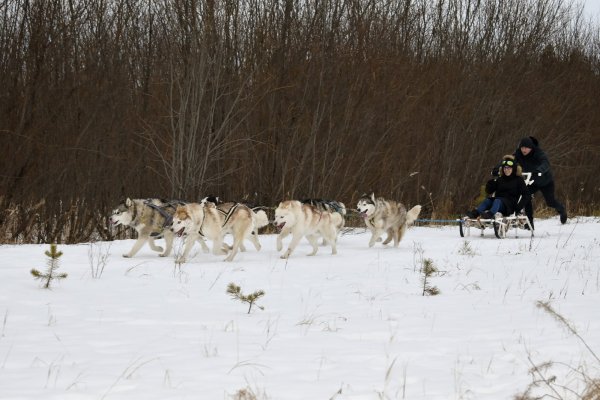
373,197
128,202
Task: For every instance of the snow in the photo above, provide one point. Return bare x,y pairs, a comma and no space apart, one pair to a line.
350,326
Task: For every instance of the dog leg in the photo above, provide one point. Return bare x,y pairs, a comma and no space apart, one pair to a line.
168,243
330,235
202,242
401,233
254,240
136,247
295,240
218,247
189,243
333,246
375,235
280,238
234,248
313,240
390,236
153,246
333,241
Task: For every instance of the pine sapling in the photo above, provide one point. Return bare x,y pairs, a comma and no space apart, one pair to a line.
236,293
53,255
428,270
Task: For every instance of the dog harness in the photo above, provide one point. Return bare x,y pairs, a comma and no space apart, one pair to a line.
227,215
168,217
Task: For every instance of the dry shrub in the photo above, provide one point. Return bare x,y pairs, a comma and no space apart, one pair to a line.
415,100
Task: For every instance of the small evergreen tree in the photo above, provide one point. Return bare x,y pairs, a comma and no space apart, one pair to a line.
53,255
236,293
428,270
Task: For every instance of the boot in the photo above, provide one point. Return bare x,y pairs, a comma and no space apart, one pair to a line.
487,215
563,216
473,214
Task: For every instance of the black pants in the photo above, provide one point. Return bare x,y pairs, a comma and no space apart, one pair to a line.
548,193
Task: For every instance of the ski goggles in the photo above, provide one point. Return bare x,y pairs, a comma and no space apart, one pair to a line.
508,163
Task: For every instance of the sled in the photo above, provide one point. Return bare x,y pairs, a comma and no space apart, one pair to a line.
501,225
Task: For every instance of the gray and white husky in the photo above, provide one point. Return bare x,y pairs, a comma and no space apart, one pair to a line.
151,218
388,216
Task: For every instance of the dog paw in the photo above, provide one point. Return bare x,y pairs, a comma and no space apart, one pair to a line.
127,255
180,260
159,249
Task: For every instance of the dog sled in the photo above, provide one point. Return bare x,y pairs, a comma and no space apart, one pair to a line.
501,225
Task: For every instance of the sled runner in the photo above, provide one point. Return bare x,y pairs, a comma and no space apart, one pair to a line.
501,225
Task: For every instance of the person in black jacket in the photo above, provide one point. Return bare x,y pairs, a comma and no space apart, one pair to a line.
507,194
533,160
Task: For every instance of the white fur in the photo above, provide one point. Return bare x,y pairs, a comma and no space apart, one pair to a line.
196,220
299,220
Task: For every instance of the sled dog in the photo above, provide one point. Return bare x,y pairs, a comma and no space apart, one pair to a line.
151,218
389,216
293,217
331,206
260,217
197,221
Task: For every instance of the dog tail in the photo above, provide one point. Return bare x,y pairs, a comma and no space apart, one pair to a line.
412,215
260,219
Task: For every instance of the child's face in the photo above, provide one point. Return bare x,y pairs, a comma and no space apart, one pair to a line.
525,150
508,170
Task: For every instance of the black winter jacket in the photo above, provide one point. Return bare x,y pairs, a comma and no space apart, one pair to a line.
536,162
511,189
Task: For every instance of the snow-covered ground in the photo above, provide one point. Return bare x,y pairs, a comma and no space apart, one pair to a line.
350,326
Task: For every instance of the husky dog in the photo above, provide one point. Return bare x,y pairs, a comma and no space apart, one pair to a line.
331,206
151,218
197,221
389,216
260,216
300,220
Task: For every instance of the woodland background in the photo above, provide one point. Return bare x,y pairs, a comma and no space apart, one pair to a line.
264,100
